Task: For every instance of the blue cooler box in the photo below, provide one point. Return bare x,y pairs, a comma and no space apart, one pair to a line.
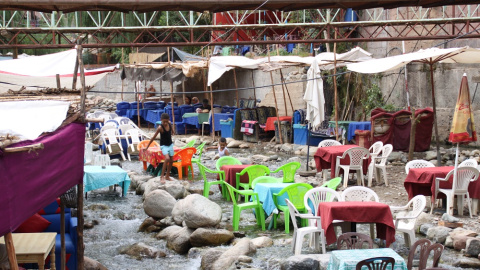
300,136
226,128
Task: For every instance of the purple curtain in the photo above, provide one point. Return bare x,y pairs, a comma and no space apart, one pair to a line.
30,181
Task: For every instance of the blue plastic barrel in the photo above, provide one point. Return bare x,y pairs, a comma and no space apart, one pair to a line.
351,15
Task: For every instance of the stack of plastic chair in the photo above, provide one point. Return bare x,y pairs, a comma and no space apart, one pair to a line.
150,105
122,108
226,109
88,153
133,105
179,125
112,145
133,139
175,104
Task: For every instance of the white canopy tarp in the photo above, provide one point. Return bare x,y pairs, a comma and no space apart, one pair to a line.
431,55
221,64
40,71
29,119
314,96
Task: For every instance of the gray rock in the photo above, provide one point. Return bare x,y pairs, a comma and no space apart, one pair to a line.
164,234
209,258
272,157
91,264
434,162
294,159
473,247
263,241
159,204
424,228
460,242
259,158
234,144
431,155
140,250
422,219
245,161
462,232
244,259
467,263
175,189
395,156
449,242
180,240
449,218
149,221
438,234
152,184
286,147
311,261
140,188
197,211
228,258
210,237
244,146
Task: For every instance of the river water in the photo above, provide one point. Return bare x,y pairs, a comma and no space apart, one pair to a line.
120,217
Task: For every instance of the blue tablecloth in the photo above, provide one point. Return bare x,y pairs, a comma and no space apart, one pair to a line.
154,115
265,195
94,177
218,117
348,259
191,120
357,125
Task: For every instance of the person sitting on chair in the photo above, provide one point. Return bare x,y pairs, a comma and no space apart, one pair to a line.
206,107
195,100
188,100
151,91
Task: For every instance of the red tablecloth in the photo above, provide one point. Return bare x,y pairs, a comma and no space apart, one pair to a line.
270,124
422,182
326,158
231,174
153,155
362,212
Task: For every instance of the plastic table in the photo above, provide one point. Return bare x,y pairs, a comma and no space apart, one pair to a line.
348,259
265,193
94,177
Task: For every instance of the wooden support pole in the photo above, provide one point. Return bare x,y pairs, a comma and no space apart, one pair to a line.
183,90
75,75
335,85
80,244
283,90
254,91
276,105
122,89
57,76
12,258
137,85
439,160
288,93
213,115
236,86
63,253
23,148
171,101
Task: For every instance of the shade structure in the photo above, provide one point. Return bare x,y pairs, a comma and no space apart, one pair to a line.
463,127
314,96
430,56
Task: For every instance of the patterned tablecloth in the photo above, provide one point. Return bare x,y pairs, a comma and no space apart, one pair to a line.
265,195
94,177
348,259
153,156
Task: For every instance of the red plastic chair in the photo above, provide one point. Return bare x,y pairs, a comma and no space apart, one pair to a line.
185,157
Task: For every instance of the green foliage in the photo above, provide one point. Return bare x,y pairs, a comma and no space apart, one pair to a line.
373,97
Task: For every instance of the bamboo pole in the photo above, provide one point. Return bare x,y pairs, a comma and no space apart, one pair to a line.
183,90
63,253
57,76
12,258
122,89
171,94
276,105
80,244
213,115
75,72
288,92
23,148
254,91
283,90
137,85
335,85
236,86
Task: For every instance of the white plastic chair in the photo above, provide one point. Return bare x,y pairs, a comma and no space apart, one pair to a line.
112,145
380,164
108,126
124,127
101,160
207,122
405,220
465,175
122,120
416,164
98,113
326,143
134,135
88,153
356,155
313,198
360,194
374,150
299,233
469,163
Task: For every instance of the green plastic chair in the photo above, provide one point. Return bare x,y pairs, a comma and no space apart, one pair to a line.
237,208
289,171
253,172
198,159
265,179
190,144
227,160
207,184
295,192
333,184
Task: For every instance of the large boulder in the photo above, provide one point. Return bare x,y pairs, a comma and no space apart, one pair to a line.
180,240
140,250
91,264
473,247
152,184
234,144
210,237
262,241
175,189
244,247
159,204
197,211
438,234
210,257
306,262
167,232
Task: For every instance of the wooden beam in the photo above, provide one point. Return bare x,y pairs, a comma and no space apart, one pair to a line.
12,258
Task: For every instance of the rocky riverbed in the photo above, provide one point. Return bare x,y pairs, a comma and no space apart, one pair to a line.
172,227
